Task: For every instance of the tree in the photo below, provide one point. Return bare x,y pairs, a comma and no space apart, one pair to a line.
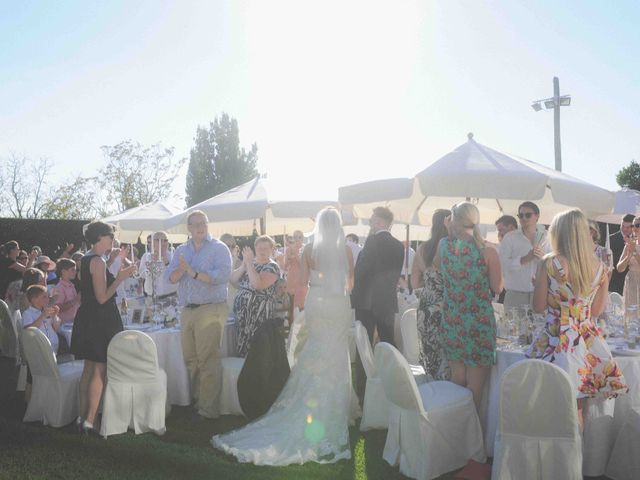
135,175
217,163
75,200
25,185
629,176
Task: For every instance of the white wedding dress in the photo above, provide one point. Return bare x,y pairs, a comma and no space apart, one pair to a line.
309,421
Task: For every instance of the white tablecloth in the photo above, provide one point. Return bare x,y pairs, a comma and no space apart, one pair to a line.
603,418
170,359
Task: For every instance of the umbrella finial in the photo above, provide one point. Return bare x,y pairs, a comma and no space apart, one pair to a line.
470,135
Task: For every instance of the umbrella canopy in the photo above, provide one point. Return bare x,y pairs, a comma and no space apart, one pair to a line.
495,181
627,201
498,182
243,209
143,220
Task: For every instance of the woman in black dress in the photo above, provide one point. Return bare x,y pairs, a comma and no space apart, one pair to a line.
97,320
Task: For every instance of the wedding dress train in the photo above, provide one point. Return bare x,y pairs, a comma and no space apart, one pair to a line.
309,421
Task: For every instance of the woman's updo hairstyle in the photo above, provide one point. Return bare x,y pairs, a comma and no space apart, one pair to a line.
98,229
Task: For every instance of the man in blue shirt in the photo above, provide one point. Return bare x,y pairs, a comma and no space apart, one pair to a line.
201,267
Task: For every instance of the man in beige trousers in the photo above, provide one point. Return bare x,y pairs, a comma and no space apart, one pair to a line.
201,267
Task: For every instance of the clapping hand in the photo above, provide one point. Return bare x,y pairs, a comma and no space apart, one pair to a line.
52,311
184,266
247,256
126,272
538,252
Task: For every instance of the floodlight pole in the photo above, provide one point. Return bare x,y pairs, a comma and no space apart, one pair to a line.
556,123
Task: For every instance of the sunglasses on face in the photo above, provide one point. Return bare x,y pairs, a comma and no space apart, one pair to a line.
527,215
636,225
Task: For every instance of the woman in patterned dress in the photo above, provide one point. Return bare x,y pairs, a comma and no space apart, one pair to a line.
256,283
425,276
471,277
571,289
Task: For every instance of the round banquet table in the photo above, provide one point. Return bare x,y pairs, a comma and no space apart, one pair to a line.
603,419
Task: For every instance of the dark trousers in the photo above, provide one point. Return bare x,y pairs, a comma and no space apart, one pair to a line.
384,325
385,333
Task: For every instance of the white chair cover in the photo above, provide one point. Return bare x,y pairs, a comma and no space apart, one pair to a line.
8,338
135,394
375,408
538,434
433,428
409,332
624,461
229,402
54,395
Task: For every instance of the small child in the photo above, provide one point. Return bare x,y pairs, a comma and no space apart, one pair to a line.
41,316
64,293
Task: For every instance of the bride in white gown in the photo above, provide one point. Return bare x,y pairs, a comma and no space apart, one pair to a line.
309,421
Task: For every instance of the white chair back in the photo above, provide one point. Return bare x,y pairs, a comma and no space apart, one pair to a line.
365,351
8,336
409,332
617,302
537,400
132,357
397,380
538,434
39,354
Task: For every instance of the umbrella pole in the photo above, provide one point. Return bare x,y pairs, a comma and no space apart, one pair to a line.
406,259
263,226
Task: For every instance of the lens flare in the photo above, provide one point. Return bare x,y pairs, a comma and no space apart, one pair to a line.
314,430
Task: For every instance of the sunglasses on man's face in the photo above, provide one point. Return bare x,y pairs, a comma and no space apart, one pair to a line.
636,225
526,215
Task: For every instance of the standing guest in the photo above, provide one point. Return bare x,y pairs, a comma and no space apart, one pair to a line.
64,294
377,272
10,269
630,264
601,252
13,290
520,253
201,267
256,281
77,257
236,262
161,256
353,242
407,264
293,272
31,276
97,320
571,289
41,316
471,275
617,241
425,276
506,224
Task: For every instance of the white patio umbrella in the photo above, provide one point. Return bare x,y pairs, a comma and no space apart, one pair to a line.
496,182
252,206
143,220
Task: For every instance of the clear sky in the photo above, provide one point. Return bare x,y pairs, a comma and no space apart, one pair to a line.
333,92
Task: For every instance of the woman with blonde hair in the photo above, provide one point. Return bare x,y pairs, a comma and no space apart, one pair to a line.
571,290
471,277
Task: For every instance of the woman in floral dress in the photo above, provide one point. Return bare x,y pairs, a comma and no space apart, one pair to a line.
571,289
425,276
471,276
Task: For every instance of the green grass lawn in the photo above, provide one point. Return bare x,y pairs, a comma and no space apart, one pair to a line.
32,451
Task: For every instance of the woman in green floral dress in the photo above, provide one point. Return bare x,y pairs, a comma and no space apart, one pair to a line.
471,275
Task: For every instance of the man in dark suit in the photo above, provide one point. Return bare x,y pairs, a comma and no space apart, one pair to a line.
374,295
617,241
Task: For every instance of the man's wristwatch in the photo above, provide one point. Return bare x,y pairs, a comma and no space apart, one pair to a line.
195,276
